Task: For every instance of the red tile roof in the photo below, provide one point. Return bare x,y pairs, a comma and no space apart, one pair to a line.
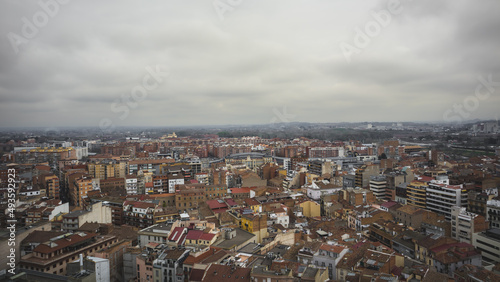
425,178
333,249
216,204
176,234
194,234
251,202
139,205
64,242
240,190
207,236
216,272
230,202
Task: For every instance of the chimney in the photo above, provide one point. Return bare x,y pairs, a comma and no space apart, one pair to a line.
81,262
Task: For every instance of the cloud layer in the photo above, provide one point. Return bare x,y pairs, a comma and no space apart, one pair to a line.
263,56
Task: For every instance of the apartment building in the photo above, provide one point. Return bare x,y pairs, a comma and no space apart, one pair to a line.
464,224
488,242
363,174
493,213
416,194
378,185
442,197
53,256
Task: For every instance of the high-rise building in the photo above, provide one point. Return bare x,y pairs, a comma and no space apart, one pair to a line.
378,185
416,194
442,197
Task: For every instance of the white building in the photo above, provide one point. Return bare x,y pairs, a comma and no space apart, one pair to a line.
279,216
488,242
102,273
442,197
493,213
98,213
81,152
378,185
321,188
328,256
131,185
464,224
157,233
173,182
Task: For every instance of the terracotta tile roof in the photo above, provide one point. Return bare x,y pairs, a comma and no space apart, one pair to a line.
251,202
64,242
176,234
333,249
230,202
41,236
216,204
162,195
191,260
408,209
240,190
194,234
196,275
207,236
216,272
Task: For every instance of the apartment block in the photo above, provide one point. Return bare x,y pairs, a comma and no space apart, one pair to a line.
493,213
378,185
488,243
53,255
464,224
442,197
363,174
416,194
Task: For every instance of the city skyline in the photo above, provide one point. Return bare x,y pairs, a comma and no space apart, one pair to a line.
251,62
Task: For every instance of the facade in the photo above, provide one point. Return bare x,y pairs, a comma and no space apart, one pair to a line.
464,224
168,266
98,213
138,214
310,208
323,152
53,256
51,183
488,243
255,224
493,213
416,194
449,257
113,254
378,185
363,174
328,257
131,184
409,216
442,197
321,188
113,186
79,189
190,198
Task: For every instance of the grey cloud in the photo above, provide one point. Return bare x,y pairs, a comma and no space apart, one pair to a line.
264,55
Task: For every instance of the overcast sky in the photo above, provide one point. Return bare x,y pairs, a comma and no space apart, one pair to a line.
257,61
